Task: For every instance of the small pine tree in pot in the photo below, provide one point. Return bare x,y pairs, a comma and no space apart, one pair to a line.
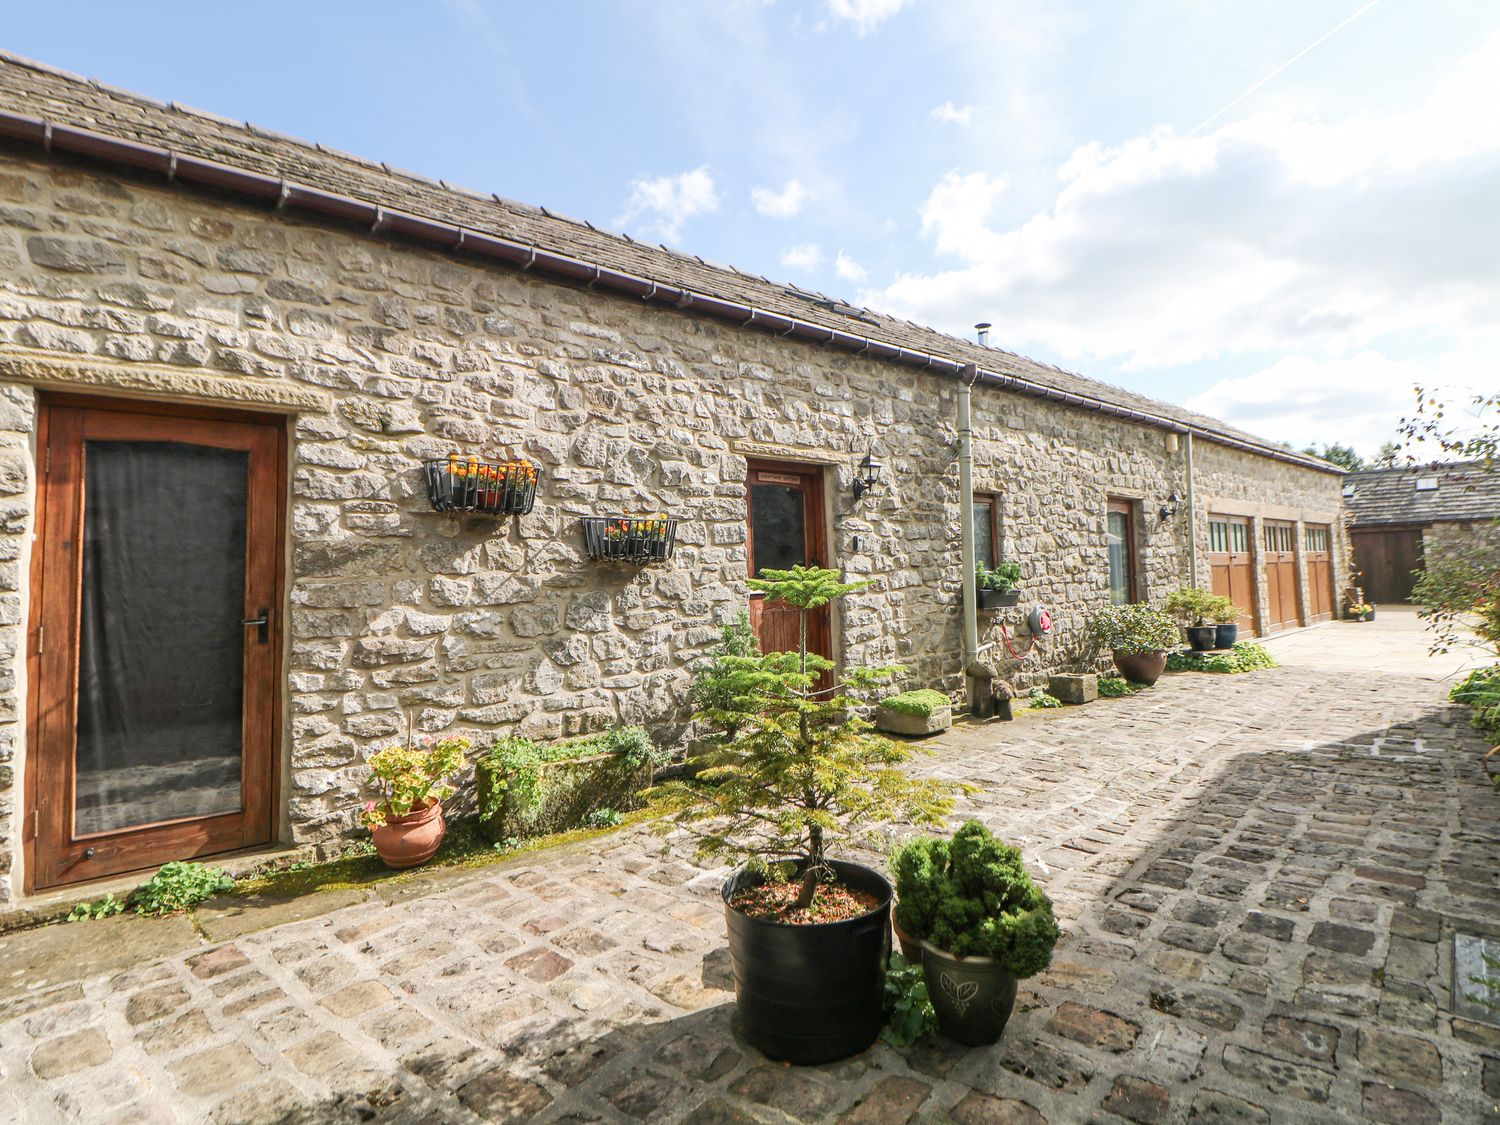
808,935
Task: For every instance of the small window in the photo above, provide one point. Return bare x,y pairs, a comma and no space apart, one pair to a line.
1348,492
1427,484
1120,536
986,531
1317,539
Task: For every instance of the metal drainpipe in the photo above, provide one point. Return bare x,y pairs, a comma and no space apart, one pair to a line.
1192,517
966,526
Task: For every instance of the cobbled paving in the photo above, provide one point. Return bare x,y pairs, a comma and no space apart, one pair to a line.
1259,878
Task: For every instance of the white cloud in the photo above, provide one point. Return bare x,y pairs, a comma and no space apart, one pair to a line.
804,256
950,114
1275,232
781,204
865,15
848,269
664,203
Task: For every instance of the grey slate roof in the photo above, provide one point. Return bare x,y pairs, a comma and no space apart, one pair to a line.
36,90
1465,492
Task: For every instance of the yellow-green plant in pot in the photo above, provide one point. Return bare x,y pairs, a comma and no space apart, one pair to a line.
406,818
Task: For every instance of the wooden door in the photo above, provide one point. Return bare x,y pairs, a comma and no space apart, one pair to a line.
787,528
1318,556
1232,565
1279,540
155,637
1387,560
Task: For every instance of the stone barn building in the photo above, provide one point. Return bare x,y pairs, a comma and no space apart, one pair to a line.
225,355
1398,518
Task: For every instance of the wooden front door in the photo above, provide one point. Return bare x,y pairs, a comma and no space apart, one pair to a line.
1318,555
1387,561
1280,554
786,529
155,637
1232,565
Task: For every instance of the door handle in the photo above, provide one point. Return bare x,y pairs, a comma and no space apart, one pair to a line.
263,625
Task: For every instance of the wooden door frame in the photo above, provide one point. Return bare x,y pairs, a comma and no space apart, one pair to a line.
1126,507
817,524
271,527
1307,564
1257,622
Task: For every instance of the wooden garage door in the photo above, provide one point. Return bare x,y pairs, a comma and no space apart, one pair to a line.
1280,554
1386,560
1232,565
1318,555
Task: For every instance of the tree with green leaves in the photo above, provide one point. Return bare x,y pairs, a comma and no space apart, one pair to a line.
801,767
717,675
1341,455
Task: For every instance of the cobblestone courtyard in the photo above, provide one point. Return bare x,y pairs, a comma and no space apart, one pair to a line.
1259,877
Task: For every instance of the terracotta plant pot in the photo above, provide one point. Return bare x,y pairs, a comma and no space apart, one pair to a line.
406,841
911,948
1141,667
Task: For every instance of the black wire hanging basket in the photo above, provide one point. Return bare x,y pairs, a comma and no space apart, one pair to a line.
632,539
466,484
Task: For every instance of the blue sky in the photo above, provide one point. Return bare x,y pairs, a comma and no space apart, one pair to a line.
1292,265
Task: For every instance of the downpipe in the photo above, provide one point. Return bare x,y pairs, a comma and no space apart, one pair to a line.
968,377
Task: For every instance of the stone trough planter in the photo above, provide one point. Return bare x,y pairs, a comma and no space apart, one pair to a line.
570,789
899,722
1074,688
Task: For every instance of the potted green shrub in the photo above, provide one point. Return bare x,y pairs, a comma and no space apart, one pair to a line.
808,935
406,818
998,586
1139,636
1226,616
983,925
923,711
1195,608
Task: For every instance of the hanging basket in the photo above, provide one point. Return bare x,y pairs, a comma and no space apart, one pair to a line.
632,539
495,488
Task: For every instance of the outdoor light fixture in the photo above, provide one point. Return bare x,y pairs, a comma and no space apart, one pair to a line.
868,476
1169,509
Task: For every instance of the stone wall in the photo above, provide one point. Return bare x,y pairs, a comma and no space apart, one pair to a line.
382,355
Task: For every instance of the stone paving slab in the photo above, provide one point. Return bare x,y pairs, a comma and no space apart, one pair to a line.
1259,877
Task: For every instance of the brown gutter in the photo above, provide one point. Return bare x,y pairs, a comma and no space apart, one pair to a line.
381,220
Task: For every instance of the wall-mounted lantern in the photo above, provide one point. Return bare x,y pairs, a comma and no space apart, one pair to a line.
1170,506
867,476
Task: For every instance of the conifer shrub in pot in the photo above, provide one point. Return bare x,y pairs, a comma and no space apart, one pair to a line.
1195,607
983,925
1139,636
796,769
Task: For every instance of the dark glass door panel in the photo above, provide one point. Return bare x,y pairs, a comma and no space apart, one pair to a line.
161,645
1119,558
778,527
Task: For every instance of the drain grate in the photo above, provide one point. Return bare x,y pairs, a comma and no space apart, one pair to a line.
1476,978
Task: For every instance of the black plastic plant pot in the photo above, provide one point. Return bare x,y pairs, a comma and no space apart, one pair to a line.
972,997
997,599
496,489
1228,635
1201,638
811,994
630,539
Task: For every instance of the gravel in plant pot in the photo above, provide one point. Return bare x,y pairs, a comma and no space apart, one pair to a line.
983,925
919,712
1195,607
808,935
997,586
1139,636
406,818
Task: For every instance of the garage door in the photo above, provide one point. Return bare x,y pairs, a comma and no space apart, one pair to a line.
1318,554
1386,560
1232,565
1280,554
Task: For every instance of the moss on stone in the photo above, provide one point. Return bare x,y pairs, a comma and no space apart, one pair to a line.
921,703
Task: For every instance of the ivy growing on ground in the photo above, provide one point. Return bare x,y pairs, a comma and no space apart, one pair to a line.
179,885
909,1014
106,907
1039,699
1245,657
1113,687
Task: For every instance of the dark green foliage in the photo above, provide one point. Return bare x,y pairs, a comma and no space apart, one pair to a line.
1134,628
602,818
972,896
1341,455
1246,656
909,1014
1481,691
714,678
1113,687
801,766
922,702
1039,700
1004,576
178,886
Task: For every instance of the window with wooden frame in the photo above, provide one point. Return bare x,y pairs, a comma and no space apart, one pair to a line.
986,530
1120,536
